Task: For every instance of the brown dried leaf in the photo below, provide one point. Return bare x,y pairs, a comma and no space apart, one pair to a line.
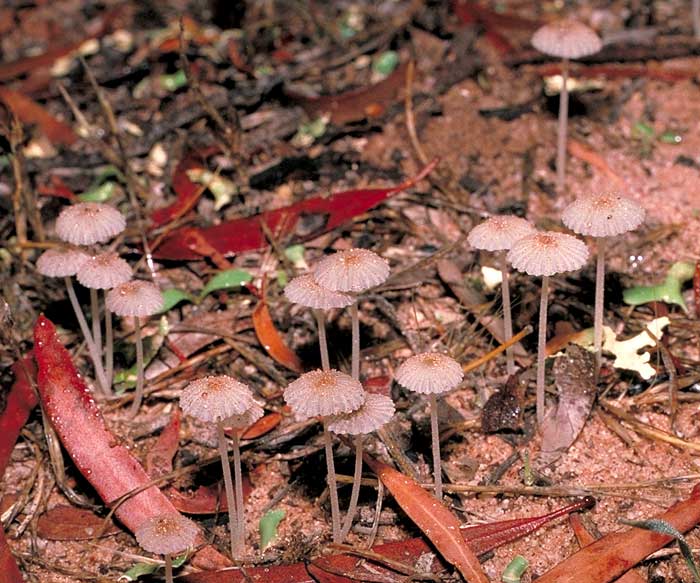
70,523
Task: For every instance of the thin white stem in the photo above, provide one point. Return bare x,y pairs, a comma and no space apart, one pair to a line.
599,304
507,317
563,119
435,436
696,18
138,393
109,346
332,485
355,494
238,482
96,324
322,340
354,311
228,485
168,569
541,344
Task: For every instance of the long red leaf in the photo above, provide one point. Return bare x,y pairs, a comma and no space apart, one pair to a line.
187,192
247,234
270,338
159,459
296,573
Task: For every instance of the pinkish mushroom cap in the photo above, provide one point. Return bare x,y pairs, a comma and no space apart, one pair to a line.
87,223
216,398
566,39
166,534
603,215
428,373
304,290
548,253
104,271
134,298
499,232
61,262
376,411
353,270
323,393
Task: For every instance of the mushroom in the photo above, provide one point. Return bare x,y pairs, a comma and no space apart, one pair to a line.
304,290
695,9
168,535
546,254
138,299
565,39
498,234
218,399
601,215
323,393
352,270
376,411
431,373
88,223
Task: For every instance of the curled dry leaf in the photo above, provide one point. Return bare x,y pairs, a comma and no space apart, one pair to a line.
271,340
504,409
159,459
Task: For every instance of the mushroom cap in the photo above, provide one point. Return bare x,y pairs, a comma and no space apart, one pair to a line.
376,411
304,290
104,271
499,232
216,398
429,372
87,223
166,534
352,270
246,419
603,215
134,298
324,392
548,253
566,39
61,262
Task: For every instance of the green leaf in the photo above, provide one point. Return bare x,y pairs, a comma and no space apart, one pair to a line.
671,138
643,130
386,63
223,189
100,193
231,278
141,569
172,297
670,291
515,570
295,253
268,526
282,278
173,82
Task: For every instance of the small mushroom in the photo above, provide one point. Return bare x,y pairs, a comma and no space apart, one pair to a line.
89,223
168,535
565,39
498,234
600,216
431,373
546,254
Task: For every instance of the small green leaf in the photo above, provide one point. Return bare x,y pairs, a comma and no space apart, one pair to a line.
100,193
295,253
223,189
386,63
282,278
139,570
670,291
231,278
268,526
172,297
643,130
173,82
515,570
671,138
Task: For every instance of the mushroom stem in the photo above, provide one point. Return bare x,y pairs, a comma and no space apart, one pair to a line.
435,435
332,484
238,482
541,344
168,569
507,318
599,298
355,494
354,311
96,324
228,485
696,18
138,393
322,341
563,118
109,346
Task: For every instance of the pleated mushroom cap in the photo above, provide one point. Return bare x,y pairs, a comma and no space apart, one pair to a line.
246,419
566,39
216,398
61,262
304,290
323,393
429,372
603,215
134,298
353,270
376,411
166,534
499,232
104,271
548,253
88,223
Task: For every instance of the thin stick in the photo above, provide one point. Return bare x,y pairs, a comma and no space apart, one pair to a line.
109,346
322,341
332,486
96,326
228,484
561,133
599,299
477,362
507,318
168,569
238,482
355,493
435,435
541,344
138,394
696,18
354,311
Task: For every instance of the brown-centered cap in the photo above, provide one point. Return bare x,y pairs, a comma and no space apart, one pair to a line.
603,215
499,232
246,419
376,411
548,253
323,393
134,298
104,271
304,290
216,398
566,39
62,262
352,270
87,223
429,372
166,534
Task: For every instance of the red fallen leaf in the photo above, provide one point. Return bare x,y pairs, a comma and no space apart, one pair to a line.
584,152
56,188
380,385
187,192
205,499
196,241
70,523
614,554
159,459
262,426
435,520
616,71
30,112
247,234
296,573
696,289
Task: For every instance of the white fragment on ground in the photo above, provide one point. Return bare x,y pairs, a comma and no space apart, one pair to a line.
492,277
